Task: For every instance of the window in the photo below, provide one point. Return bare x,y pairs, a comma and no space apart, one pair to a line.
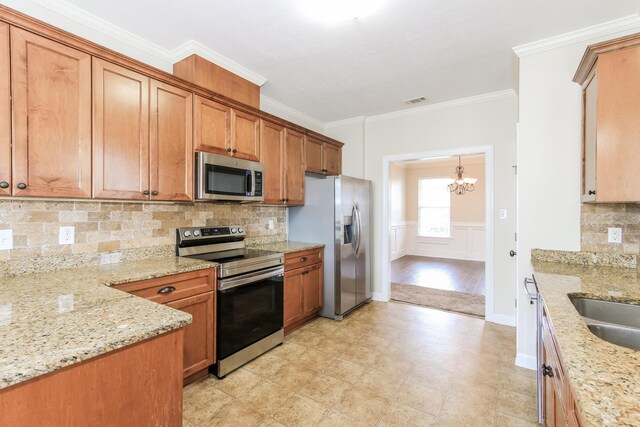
434,207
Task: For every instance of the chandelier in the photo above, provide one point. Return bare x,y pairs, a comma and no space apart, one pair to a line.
460,185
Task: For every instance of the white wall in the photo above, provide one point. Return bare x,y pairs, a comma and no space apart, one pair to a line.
549,166
352,133
488,121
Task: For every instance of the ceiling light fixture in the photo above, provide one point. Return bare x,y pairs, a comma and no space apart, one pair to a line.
332,11
460,185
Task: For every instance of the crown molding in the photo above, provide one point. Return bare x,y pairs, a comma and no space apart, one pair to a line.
631,22
487,97
359,120
167,56
279,109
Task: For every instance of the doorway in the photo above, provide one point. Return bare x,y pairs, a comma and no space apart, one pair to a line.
437,232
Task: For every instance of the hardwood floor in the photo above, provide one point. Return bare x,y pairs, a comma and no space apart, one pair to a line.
440,273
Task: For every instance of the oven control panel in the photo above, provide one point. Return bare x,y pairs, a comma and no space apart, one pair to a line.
190,233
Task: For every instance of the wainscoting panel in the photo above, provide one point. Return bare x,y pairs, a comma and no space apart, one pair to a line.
397,241
467,241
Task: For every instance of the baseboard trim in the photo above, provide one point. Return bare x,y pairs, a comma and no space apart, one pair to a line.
501,319
377,296
526,361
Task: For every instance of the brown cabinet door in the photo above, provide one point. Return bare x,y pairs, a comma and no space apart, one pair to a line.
312,289
272,161
51,85
294,169
5,112
120,132
211,126
313,149
332,159
199,343
245,136
589,141
293,292
170,143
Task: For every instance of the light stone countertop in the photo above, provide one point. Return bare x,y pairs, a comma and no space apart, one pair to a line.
55,319
288,247
604,378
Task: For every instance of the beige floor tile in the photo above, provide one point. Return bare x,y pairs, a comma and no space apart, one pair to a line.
345,370
383,384
517,405
325,327
202,408
429,376
508,421
266,365
238,382
325,389
316,360
404,416
294,375
423,399
288,350
300,411
333,346
266,397
187,423
338,419
374,342
465,387
468,410
361,355
305,338
236,414
270,422
363,404
518,383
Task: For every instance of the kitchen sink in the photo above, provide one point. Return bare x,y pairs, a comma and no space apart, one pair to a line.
615,322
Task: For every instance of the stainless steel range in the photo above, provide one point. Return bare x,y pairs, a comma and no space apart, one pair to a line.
249,307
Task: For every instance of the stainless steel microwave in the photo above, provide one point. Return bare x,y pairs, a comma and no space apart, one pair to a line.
227,178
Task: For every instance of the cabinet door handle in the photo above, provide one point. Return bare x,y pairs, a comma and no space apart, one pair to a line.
154,193
547,371
4,184
145,192
166,290
21,186
229,149
303,259
592,192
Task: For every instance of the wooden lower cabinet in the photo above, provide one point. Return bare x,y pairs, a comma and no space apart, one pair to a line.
558,405
302,288
193,293
138,385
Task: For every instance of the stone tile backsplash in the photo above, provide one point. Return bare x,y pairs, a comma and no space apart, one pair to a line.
123,227
595,219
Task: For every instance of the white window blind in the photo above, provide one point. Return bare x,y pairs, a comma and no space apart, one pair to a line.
434,207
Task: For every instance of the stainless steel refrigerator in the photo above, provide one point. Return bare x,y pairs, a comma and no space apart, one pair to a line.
336,212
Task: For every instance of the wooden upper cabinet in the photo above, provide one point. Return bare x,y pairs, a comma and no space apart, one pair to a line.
610,77
120,132
273,162
314,149
212,126
5,112
245,135
294,168
171,143
322,157
51,86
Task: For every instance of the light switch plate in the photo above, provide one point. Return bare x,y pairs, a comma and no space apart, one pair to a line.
6,239
67,235
503,214
615,235
270,224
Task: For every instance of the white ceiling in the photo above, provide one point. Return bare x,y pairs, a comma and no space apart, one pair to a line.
438,162
441,49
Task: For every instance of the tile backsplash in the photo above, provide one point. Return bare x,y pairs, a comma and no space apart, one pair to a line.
123,227
595,219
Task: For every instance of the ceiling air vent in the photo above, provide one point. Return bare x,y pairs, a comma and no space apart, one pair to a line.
416,100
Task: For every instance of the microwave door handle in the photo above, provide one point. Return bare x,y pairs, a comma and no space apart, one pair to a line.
250,183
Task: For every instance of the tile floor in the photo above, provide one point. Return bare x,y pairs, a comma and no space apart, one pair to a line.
387,364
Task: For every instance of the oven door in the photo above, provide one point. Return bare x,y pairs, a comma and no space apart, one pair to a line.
250,307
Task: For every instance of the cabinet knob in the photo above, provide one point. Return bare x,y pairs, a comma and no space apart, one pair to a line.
229,149
154,193
592,192
145,192
22,186
303,259
235,151
166,290
4,184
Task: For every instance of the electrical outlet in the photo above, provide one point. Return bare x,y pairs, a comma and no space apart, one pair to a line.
6,239
67,235
615,235
503,214
270,224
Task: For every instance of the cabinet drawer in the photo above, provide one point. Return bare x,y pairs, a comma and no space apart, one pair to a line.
171,288
300,259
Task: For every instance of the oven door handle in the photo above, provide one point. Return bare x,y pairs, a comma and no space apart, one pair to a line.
249,278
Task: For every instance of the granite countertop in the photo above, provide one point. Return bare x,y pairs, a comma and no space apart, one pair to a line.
55,319
288,247
604,378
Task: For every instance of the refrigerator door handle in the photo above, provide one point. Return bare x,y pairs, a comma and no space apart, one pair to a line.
359,225
356,231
